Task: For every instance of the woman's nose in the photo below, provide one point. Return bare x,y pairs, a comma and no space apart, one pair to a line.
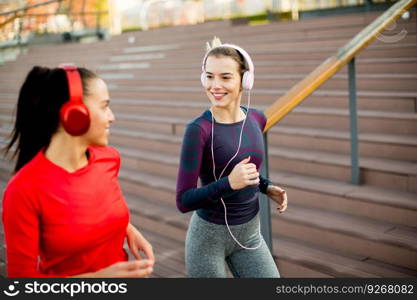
112,118
216,83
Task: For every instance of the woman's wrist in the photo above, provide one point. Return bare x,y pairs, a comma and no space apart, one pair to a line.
129,228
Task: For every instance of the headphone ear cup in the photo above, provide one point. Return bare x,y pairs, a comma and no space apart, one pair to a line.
203,79
247,80
75,118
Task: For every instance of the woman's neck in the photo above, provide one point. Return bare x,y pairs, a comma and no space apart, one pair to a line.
227,114
67,151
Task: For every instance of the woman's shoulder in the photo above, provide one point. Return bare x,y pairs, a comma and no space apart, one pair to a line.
27,175
21,190
21,183
257,113
200,124
258,116
204,117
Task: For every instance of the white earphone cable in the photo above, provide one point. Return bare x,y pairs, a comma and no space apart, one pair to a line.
215,177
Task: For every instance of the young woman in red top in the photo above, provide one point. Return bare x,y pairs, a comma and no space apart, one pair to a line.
64,214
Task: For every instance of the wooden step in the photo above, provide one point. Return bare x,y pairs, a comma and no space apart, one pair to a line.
368,121
363,200
160,143
169,252
374,171
390,243
395,147
148,185
150,162
319,262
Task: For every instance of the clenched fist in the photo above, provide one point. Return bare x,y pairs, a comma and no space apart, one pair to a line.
243,175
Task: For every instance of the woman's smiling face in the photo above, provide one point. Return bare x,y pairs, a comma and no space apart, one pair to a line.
222,81
100,113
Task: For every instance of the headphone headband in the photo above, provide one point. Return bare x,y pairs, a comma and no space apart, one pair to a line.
75,86
245,55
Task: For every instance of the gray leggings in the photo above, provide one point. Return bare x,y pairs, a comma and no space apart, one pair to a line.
209,246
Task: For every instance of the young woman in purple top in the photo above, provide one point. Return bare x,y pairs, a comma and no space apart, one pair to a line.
224,147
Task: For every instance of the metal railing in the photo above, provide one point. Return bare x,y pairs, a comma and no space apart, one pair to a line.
345,55
25,18
20,13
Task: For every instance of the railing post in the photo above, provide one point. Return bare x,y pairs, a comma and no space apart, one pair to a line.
265,210
354,154
98,26
368,5
19,34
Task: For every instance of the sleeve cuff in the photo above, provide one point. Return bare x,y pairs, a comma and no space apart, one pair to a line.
223,189
263,184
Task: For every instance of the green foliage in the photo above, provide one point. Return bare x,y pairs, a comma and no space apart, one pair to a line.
132,28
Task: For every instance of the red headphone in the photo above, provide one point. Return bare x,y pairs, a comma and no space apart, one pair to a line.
74,115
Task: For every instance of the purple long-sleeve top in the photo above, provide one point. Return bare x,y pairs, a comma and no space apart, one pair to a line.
196,162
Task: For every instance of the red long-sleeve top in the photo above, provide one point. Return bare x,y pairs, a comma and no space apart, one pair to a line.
58,224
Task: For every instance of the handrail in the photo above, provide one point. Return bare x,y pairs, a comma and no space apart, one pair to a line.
15,11
79,13
330,66
24,12
8,20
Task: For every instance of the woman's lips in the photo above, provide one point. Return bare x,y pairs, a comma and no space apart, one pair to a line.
218,96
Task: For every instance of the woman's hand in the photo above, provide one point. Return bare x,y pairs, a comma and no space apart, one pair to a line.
137,243
278,195
243,174
127,269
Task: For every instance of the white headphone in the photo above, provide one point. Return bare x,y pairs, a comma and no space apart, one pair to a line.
247,84
248,77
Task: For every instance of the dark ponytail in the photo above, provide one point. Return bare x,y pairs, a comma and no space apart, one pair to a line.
41,96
